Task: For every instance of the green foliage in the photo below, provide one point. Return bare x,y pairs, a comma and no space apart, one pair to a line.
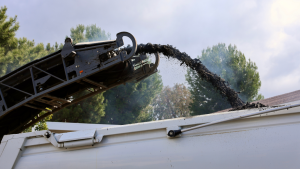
88,34
41,125
130,103
94,33
145,115
8,28
15,52
89,110
172,102
232,66
48,47
24,52
77,34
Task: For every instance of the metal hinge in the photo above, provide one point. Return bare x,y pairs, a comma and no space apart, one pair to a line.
74,139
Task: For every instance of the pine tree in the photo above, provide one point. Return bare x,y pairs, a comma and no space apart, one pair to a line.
16,52
89,110
25,52
8,28
77,34
131,103
94,33
232,66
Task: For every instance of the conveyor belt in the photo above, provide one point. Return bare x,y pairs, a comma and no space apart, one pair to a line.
48,83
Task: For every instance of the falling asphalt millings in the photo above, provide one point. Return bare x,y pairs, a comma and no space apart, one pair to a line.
217,82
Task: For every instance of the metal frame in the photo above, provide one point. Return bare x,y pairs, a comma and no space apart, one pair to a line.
64,83
32,79
3,100
33,121
25,67
56,59
15,89
48,73
94,83
65,69
173,133
34,107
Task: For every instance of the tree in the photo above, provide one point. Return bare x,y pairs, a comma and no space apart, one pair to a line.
16,52
8,28
41,125
89,110
130,103
88,34
172,102
77,34
94,33
232,66
25,52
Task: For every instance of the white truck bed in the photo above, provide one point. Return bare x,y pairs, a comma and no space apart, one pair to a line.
271,140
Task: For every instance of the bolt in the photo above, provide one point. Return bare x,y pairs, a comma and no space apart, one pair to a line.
47,134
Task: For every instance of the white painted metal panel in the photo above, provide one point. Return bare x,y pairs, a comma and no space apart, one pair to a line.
59,126
11,152
78,135
261,142
2,146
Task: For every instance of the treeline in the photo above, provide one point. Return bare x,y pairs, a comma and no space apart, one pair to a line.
143,101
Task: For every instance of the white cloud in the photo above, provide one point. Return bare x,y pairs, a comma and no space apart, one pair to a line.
287,83
285,12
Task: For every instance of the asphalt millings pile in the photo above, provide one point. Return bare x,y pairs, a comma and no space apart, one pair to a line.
249,106
219,84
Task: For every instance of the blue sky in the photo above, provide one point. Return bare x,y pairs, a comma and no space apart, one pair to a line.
267,32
